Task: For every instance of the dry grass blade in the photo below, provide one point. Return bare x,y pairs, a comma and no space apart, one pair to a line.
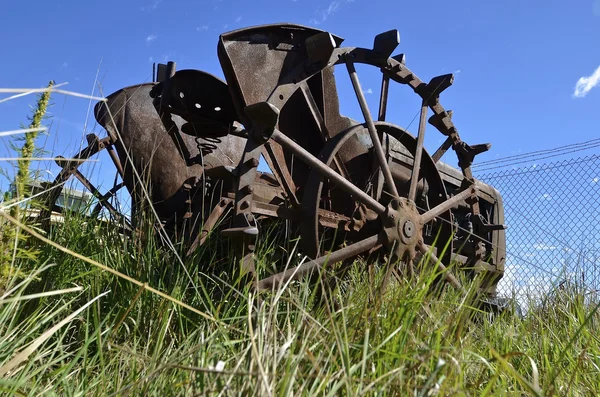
23,355
40,295
27,280
46,159
40,90
22,94
104,267
23,131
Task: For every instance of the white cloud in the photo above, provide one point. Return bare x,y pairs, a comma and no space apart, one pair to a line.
369,91
544,247
238,19
586,83
150,38
324,14
596,8
457,71
153,6
595,180
151,59
545,196
64,65
202,28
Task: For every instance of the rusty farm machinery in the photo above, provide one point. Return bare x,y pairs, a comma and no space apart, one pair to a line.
348,187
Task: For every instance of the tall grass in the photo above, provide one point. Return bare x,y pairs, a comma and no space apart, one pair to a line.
128,340
97,314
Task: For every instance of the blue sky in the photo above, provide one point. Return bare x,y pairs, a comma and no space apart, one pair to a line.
526,71
516,63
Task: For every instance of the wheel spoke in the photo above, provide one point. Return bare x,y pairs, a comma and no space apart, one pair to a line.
327,172
446,205
385,86
387,174
416,170
296,272
383,99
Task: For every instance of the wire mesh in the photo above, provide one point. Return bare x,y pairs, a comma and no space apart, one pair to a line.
553,216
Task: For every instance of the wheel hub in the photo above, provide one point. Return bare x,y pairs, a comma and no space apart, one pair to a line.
401,227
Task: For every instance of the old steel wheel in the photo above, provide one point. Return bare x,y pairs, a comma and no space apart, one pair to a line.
393,213
321,194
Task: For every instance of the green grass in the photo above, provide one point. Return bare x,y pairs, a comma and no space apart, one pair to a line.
84,311
130,341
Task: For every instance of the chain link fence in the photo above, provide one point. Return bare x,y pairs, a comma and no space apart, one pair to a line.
553,216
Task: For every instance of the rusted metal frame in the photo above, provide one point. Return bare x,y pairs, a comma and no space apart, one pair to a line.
161,104
334,220
115,159
416,170
326,218
297,272
327,172
244,229
314,110
441,119
450,130
383,99
296,79
385,87
106,197
447,205
383,164
246,175
66,171
275,159
398,72
88,185
210,222
173,132
320,121
447,144
273,210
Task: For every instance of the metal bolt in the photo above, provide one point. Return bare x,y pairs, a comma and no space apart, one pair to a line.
408,229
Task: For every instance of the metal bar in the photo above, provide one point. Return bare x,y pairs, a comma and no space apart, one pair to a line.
113,155
107,196
453,281
385,86
296,272
274,156
88,185
387,174
416,170
314,110
210,222
320,121
327,172
446,205
442,150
